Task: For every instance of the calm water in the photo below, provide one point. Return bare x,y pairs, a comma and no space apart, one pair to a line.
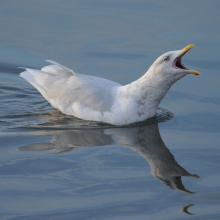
54,166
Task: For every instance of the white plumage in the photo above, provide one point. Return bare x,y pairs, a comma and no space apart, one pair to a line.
97,99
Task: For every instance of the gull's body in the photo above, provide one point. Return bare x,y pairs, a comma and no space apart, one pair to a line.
98,99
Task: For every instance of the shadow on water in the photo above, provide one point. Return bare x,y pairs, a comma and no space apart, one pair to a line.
144,140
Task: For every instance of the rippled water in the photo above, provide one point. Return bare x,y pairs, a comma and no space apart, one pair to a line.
54,166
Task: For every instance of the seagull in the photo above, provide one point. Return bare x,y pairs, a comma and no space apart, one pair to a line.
97,99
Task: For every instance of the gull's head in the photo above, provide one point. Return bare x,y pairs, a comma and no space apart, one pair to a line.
169,65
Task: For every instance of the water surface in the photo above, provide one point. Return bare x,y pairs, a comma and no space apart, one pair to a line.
54,166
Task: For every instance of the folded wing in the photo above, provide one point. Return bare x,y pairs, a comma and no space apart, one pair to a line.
72,93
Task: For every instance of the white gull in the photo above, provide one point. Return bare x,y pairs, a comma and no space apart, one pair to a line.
97,99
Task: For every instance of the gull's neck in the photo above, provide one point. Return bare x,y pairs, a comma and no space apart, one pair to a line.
143,96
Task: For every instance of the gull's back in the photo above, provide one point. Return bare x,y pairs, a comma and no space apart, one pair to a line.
71,93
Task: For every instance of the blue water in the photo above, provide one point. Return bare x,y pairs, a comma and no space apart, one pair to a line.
54,166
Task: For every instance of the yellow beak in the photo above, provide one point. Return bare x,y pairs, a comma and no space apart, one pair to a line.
187,48
184,50
193,72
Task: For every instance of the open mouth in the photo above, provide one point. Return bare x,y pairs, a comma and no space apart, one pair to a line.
178,65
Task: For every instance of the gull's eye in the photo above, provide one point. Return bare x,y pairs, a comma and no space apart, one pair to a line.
166,59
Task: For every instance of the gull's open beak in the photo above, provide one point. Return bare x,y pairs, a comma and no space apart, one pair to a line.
178,64
186,49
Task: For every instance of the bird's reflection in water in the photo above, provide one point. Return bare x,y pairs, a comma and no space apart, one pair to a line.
144,140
